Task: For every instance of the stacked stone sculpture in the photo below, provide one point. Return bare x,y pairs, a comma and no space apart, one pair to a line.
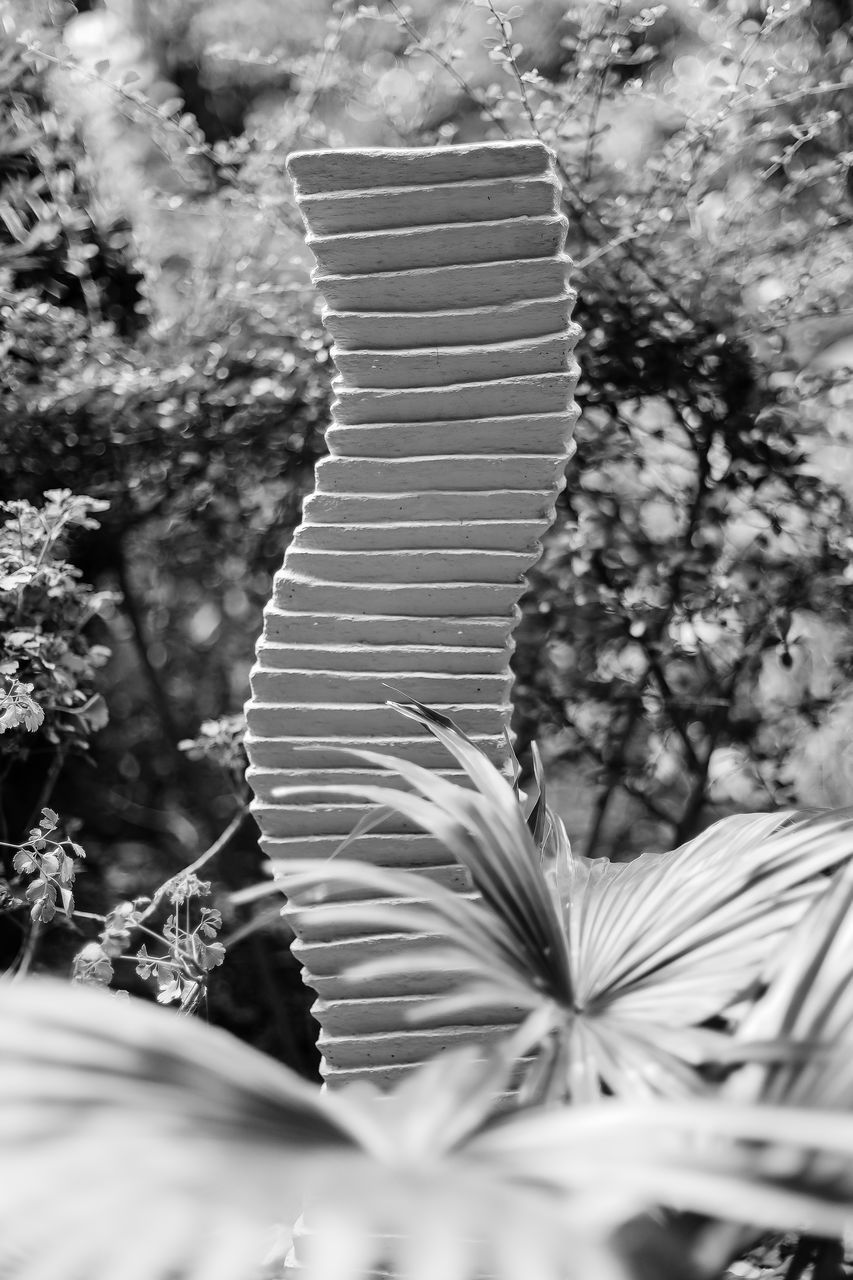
446,295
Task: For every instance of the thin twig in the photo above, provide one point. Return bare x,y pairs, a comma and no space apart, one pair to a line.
614,760
671,704
216,848
426,46
130,607
193,142
597,98
47,786
25,957
509,55
135,99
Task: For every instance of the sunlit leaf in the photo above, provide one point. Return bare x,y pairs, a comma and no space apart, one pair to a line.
639,956
180,1151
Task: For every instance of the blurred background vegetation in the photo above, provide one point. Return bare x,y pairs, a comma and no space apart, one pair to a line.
685,649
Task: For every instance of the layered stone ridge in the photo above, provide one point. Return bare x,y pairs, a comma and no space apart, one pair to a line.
445,285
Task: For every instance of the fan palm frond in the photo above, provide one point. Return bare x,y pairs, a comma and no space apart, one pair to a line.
806,1010
637,957
137,1145
134,1145
808,1002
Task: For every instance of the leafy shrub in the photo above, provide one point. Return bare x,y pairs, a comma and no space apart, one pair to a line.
195,453
51,866
51,241
47,661
684,650
701,546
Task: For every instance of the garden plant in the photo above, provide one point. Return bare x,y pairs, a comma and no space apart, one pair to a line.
685,1170
670,1093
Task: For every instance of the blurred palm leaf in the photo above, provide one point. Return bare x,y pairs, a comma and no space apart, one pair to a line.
808,1001
136,1145
633,960
807,1004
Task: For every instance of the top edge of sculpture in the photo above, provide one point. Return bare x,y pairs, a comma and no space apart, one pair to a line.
359,168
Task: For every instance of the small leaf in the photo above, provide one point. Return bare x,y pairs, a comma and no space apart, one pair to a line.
211,955
146,965
43,912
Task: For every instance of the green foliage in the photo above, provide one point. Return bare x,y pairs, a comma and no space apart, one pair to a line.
221,743
684,651
196,435
187,943
48,868
181,972
51,242
633,977
44,869
47,661
219,1144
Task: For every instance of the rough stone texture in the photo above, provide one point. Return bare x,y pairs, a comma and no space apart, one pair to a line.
445,282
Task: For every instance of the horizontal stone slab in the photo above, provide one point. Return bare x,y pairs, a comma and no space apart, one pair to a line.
508,322
316,785
401,1046
486,535
449,875
277,818
537,393
365,1015
439,564
385,1078
319,627
376,848
446,659
381,209
515,434
327,959
332,751
333,985
445,365
431,687
269,720
336,987
320,922
360,508
435,288
352,169
493,599
477,472
408,248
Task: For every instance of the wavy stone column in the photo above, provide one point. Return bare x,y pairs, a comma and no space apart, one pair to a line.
444,279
